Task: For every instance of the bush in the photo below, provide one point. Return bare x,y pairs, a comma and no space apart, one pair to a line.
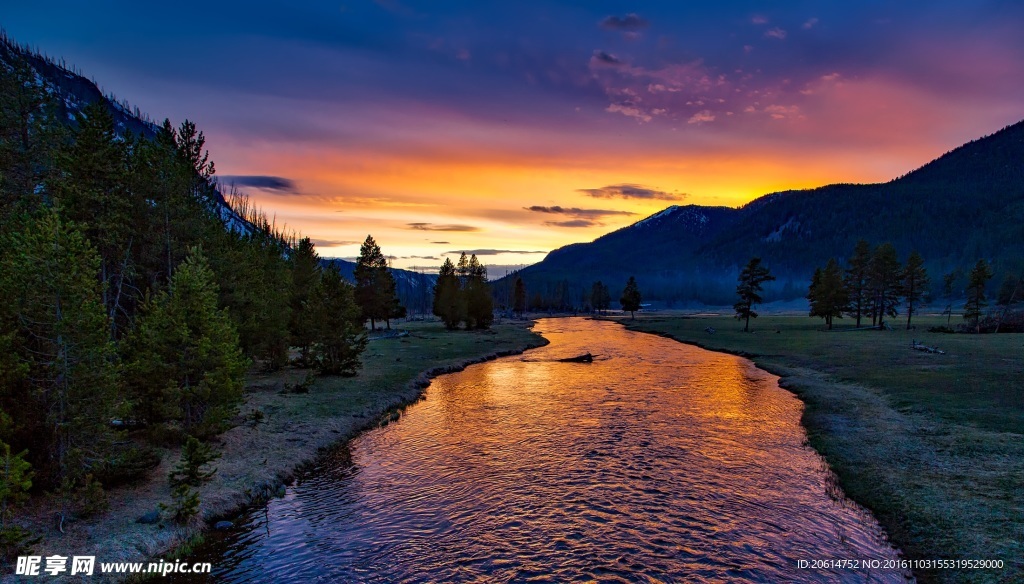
189,470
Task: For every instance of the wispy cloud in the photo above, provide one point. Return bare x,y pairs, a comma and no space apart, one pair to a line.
775,33
267,183
435,227
491,252
631,191
577,212
332,242
604,58
810,23
572,223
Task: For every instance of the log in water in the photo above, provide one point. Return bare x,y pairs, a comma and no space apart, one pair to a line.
657,462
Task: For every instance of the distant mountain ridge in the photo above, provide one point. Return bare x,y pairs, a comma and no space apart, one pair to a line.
965,205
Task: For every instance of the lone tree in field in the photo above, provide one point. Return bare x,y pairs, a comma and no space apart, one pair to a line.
828,295
915,283
519,298
600,296
976,300
375,286
751,278
631,297
857,280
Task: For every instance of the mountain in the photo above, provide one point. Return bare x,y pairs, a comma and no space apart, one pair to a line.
965,205
72,92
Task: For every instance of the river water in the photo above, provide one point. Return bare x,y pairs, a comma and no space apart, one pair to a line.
658,462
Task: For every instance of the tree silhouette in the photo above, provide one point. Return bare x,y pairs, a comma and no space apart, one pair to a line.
976,300
448,301
600,296
827,294
477,293
751,278
857,279
915,283
884,282
519,297
375,286
631,298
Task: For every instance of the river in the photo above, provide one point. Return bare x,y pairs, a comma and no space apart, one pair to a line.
657,462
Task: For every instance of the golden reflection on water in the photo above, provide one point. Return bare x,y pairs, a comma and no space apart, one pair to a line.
658,461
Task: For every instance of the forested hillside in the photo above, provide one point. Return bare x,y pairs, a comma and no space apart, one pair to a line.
966,205
135,295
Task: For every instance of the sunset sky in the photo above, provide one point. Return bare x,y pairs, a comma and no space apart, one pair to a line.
515,128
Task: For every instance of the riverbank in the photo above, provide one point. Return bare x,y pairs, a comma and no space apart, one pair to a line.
278,434
930,443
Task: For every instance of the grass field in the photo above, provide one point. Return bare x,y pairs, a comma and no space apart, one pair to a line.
933,444
265,449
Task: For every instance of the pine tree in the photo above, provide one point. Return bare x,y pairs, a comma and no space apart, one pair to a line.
306,274
190,144
477,293
976,300
449,303
183,359
751,279
339,331
194,456
631,298
884,282
600,297
61,375
15,478
948,281
255,283
915,283
29,138
828,295
93,190
1010,292
857,280
519,298
15,482
375,286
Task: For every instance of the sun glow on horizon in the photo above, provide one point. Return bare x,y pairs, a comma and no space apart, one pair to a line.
520,131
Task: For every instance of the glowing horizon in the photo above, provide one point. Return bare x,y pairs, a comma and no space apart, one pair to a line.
517,130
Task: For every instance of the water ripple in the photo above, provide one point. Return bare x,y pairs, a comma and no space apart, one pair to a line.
659,462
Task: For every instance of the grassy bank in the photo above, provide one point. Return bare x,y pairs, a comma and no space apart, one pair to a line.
278,433
931,443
